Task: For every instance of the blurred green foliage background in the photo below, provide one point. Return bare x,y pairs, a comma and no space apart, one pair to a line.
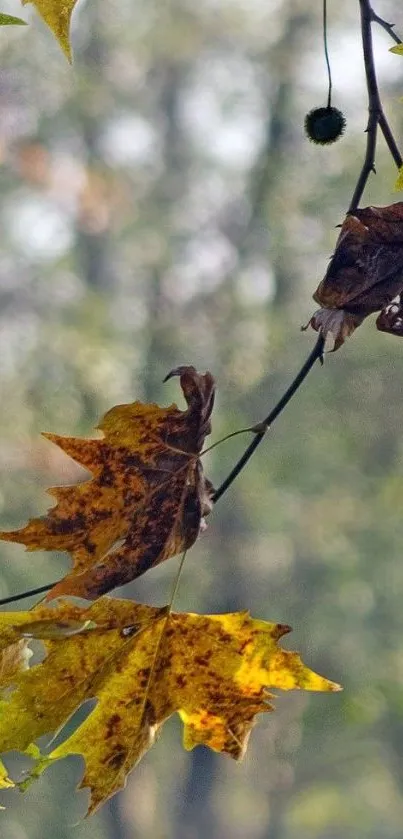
161,205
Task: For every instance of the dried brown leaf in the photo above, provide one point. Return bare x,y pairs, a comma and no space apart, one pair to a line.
146,501
365,272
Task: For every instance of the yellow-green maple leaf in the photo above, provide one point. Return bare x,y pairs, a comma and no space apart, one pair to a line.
5,781
57,15
143,664
399,181
14,658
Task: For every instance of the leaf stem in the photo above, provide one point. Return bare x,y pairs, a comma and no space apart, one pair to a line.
376,114
176,582
315,354
329,72
252,429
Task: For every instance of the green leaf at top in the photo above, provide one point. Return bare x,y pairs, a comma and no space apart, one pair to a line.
9,20
398,49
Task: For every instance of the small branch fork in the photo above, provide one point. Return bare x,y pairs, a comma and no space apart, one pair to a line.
376,114
388,27
376,119
261,428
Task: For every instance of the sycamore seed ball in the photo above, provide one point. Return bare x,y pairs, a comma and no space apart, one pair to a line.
324,125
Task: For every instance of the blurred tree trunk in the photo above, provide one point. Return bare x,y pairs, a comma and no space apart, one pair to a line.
94,252
164,319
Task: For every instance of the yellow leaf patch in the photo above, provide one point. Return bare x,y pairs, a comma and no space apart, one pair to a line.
57,15
399,181
143,664
5,782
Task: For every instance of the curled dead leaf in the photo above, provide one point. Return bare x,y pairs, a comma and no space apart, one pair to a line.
14,658
365,273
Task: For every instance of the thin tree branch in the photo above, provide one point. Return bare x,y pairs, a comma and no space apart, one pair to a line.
25,594
376,113
390,140
389,27
369,162
374,104
315,354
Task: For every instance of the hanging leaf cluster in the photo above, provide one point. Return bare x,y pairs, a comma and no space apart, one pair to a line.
146,501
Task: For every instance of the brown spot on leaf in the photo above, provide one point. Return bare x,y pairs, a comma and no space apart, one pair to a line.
116,760
112,724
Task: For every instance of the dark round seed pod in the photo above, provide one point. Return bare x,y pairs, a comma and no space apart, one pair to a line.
324,125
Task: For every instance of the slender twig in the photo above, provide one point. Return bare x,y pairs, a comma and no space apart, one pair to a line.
314,355
252,429
374,104
176,581
390,140
25,594
389,27
376,113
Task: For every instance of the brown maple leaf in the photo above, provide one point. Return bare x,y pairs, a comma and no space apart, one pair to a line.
146,500
364,275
